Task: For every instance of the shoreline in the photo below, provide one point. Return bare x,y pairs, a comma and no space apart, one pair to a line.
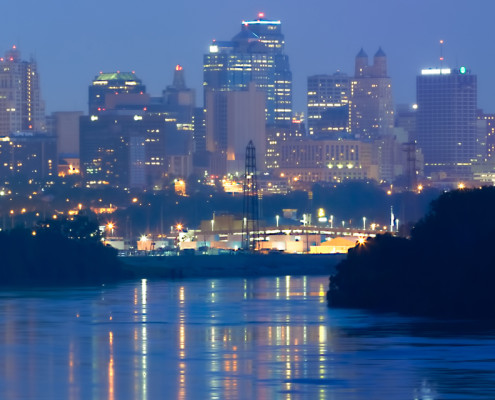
231,265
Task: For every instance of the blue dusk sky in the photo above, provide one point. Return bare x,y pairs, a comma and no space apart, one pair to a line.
73,40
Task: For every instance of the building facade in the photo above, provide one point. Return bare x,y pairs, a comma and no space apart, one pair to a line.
255,54
232,120
328,105
113,90
326,160
130,150
371,104
21,106
446,129
29,156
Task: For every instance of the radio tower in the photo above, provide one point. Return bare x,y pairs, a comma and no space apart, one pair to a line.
250,221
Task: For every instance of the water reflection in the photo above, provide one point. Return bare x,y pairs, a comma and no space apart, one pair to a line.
266,338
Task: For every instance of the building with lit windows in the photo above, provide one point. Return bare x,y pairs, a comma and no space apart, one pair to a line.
328,105
21,106
131,150
255,54
131,139
326,160
276,136
371,101
446,129
116,90
486,132
28,155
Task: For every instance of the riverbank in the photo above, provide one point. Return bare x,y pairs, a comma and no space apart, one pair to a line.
231,265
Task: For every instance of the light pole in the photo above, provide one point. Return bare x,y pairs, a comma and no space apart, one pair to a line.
277,217
331,221
111,227
364,223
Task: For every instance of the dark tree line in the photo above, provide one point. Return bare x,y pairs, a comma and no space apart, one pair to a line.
57,252
446,268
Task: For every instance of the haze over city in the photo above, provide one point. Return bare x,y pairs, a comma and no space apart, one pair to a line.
73,41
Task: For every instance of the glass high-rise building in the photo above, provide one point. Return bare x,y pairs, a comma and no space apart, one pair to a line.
446,121
255,54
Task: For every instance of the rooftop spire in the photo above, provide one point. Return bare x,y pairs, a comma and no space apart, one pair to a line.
362,54
380,53
179,81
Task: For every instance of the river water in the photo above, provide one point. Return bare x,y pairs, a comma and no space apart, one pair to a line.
264,338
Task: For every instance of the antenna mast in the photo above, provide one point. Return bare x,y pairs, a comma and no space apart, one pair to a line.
250,221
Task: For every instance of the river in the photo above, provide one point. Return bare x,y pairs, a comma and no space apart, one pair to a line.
257,338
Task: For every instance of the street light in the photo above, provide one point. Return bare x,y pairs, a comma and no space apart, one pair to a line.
110,227
331,221
277,217
364,223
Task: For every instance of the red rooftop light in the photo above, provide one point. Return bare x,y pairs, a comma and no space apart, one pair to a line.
178,67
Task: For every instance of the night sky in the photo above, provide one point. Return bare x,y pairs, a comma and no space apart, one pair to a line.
73,40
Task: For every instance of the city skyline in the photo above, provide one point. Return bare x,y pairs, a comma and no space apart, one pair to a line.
320,39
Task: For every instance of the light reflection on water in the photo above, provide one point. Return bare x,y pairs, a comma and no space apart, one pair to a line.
265,338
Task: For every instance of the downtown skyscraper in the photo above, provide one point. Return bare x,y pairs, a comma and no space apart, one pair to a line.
255,54
248,92
21,106
372,106
328,105
446,122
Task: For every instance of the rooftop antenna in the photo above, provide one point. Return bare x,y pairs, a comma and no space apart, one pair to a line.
441,53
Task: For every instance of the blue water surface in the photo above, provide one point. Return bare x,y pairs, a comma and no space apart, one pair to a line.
264,338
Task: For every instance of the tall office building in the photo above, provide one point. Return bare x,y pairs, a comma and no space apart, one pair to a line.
486,122
21,106
177,98
446,122
116,90
232,120
132,140
255,54
126,150
28,155
372,107
328,105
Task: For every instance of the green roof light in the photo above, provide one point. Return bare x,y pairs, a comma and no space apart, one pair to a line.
462,70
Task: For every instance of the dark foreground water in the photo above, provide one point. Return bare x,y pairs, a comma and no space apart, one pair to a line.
266,338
